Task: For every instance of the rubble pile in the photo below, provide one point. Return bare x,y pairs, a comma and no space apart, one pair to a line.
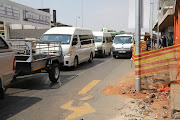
154,99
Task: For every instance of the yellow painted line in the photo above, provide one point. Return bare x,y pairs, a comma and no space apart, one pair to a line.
157,65
157,58
155,72
39,68
89,87
78,111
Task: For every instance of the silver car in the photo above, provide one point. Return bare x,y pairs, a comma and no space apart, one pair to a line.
7,65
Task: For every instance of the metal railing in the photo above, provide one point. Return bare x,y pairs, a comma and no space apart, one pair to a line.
30,50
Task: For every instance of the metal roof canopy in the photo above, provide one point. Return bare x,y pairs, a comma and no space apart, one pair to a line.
15,13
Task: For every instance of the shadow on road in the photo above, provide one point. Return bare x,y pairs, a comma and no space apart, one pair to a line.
124,57
40,82
83,66
13,105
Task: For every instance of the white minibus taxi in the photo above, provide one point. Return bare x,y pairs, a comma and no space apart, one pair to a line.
103,43
76,44
123,45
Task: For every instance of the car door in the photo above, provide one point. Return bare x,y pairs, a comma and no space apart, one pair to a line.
75,46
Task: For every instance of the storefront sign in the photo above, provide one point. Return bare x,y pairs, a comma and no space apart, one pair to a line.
35,18
8,11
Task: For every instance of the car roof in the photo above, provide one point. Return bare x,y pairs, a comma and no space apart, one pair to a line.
68,30
99,33
125,35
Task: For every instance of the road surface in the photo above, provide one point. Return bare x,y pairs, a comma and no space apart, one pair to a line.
78,97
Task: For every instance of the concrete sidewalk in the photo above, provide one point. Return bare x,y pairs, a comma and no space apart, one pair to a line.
175,96
175,101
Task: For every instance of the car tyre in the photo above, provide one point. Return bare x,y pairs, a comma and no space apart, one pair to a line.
54,73
2,93
91,58
75,62
104,54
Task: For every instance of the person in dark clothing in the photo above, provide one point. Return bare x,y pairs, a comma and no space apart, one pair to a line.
164,42
147,44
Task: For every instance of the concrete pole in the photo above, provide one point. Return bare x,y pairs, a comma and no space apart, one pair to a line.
137,41
151,22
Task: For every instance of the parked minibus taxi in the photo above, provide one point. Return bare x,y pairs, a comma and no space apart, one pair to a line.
103,43
76,44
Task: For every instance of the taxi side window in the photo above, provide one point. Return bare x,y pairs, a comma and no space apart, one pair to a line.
75,40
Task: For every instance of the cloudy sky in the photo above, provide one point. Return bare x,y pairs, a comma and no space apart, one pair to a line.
111,14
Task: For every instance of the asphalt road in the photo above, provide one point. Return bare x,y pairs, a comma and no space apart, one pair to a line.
35,98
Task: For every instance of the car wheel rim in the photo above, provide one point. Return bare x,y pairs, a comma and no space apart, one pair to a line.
56,74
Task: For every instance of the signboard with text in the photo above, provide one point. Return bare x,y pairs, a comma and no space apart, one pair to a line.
19,14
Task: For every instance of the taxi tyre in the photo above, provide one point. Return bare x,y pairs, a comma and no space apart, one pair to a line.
91,58
104,54
54,73
2,93
75,62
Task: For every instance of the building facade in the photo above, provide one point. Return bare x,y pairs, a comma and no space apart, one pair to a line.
166,20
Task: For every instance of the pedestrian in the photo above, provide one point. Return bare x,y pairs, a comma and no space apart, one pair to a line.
147,44
164,42
160,43
155,43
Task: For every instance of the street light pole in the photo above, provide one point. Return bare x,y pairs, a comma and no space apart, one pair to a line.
137,42
76,20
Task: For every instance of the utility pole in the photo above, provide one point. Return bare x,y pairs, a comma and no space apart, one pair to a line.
151,22
158,30
137,42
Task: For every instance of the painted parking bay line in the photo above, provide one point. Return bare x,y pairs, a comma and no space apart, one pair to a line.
89,87
77,111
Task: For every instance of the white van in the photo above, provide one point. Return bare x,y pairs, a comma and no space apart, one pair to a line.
103,43
122,45
76,44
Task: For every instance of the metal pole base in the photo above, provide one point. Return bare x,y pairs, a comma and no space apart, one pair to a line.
138,84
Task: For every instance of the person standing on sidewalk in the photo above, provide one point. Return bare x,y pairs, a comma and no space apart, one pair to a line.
147,44
164,42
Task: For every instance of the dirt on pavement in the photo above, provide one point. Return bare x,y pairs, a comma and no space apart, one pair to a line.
151,103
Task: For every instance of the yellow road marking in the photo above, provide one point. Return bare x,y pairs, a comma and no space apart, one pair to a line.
89,87
86,98
78,111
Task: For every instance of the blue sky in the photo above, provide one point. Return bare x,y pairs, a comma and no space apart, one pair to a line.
111,14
